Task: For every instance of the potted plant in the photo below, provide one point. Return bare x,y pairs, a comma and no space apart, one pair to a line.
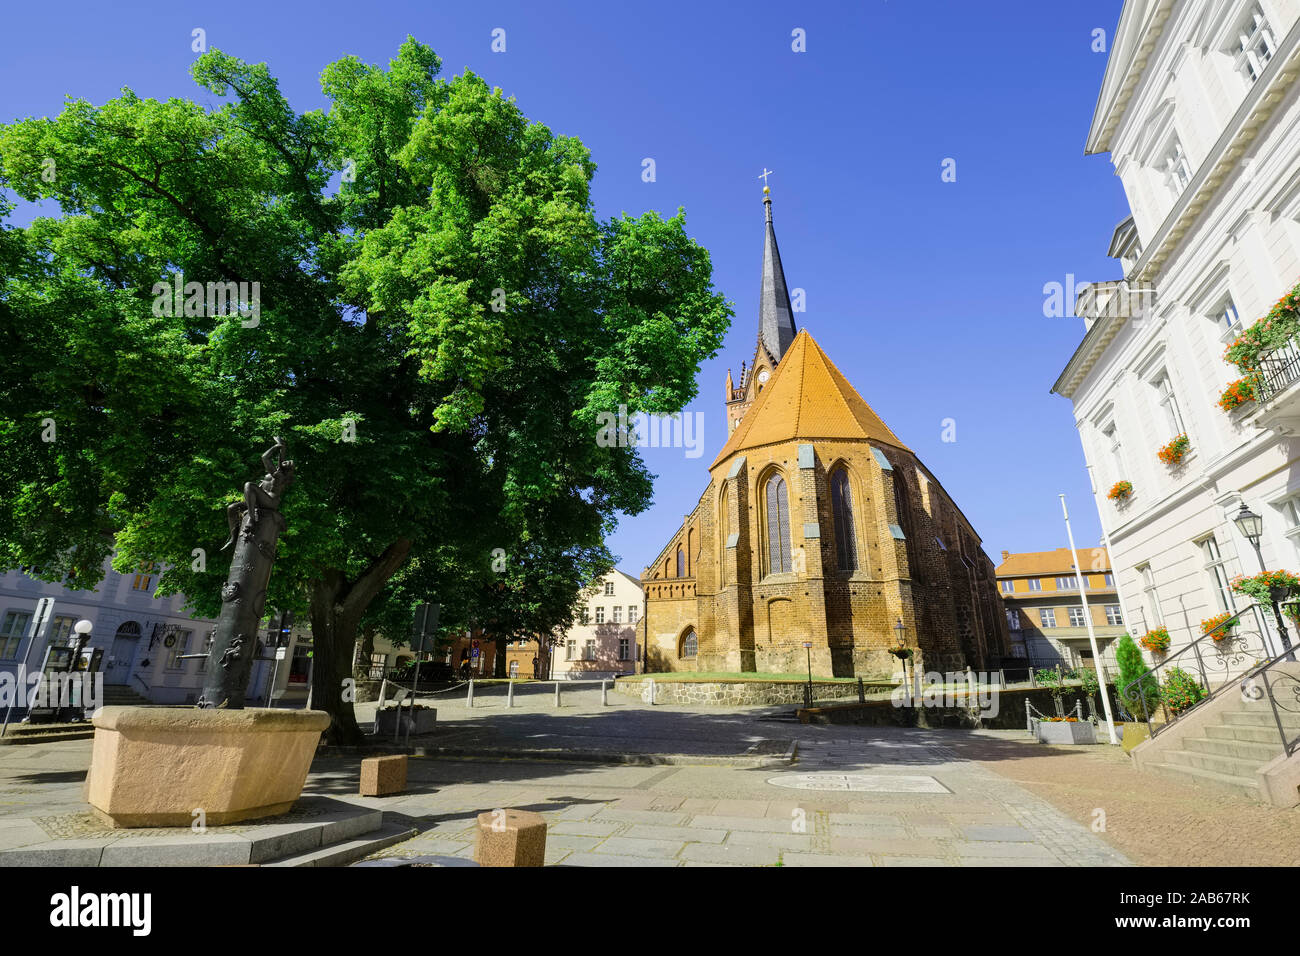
1156,640
1089,684
1181,690
1268,586
1240,392
1222,625
1137,690
1175,451
1055,683
1120,491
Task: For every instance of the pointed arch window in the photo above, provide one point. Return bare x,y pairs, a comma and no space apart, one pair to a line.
846,545
690,644
778,526
681,563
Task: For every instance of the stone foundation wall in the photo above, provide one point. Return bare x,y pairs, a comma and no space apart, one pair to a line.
742,693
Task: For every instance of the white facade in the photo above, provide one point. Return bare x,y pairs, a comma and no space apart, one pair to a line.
1200,111
605,644
142,636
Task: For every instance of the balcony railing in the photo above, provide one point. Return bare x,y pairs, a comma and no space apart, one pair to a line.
1278,369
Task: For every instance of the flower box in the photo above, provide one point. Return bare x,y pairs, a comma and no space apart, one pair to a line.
1156,641
1120,491
1066,732
1174,452
1226,624
1241,392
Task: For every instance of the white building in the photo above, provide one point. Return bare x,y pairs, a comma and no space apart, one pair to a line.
604,643
143,639
1200,112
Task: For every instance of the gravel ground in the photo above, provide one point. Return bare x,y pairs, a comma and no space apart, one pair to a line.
1154,821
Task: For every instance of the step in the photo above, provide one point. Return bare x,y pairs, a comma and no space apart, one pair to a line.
1248,733
350,851
1258,752
52,737
1233,766
1208,779
1261,717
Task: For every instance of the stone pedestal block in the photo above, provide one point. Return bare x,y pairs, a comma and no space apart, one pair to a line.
383,776
510,838
161,766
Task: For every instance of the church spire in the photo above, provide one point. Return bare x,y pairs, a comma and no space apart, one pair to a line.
775,317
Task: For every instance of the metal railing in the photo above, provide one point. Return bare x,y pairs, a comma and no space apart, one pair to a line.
1277,370
1235,655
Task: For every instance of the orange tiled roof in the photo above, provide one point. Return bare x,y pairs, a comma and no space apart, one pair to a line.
1052,562
807,398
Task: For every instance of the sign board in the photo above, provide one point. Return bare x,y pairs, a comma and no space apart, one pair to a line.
424,628
281,653
474,654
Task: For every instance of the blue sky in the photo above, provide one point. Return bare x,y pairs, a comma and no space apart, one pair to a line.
927,294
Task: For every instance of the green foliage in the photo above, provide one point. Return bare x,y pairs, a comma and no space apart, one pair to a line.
1181,690
1088,680
1260,586
1136,687
431,433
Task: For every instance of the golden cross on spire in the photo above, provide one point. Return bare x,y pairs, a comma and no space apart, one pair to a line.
766,172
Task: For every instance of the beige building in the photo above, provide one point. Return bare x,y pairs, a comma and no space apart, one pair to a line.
603,644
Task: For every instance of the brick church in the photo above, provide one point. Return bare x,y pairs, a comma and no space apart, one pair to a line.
818,524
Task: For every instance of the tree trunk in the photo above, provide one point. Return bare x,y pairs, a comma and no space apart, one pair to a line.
499,658
362,670
336,610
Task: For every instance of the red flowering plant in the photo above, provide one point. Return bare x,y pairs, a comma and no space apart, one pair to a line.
1174,452
1261,586
1273,331
1156,641
1240,392
1120,491
1226,618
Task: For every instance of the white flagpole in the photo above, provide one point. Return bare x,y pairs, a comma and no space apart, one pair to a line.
1087,619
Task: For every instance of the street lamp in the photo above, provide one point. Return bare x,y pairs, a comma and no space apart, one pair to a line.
807,691
1251,527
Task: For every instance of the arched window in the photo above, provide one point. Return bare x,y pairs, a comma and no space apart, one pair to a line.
778,526
681,563
690,644
723,533
128,629
846,544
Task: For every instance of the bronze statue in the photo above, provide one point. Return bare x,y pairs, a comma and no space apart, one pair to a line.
255,526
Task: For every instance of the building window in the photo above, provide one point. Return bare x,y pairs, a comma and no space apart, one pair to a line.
589,650
1169,404
1013,619
514,669
378,666
1008,587
622,648
618,614
11,633
778,527
681,563
1109,579
1255,44
609,589
846,546
59,633
1218,574
570,649
632,613
180,646
1152,598
144,577
600,614
1076,617
690,644
1113,615
1035,584
1047,616
1174,164
1070,583
1111,436
584,616
1225,315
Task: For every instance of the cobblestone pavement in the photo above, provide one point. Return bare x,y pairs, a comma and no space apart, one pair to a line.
901,797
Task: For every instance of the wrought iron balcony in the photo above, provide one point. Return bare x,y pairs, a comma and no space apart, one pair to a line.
1278,370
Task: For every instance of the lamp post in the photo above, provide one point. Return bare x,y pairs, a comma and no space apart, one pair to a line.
1092,637
807,691
1251,527
899,628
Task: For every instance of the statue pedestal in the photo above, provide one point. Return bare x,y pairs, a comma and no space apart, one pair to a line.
155,766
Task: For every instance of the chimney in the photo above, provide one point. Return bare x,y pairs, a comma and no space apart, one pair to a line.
1005,555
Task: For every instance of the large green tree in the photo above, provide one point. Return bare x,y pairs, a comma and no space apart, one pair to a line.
441,319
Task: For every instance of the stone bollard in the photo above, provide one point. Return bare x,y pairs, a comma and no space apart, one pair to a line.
510,693
604,693
469,701
557,693
862,692
383,776
510,838
651,690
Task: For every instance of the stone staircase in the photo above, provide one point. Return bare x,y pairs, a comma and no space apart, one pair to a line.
1231,743
122,695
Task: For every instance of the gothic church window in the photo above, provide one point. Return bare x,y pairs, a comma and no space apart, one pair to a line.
690,644
681,563
778,526
842,512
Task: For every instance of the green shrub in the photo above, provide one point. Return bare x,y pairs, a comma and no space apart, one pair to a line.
1181,690
1132,670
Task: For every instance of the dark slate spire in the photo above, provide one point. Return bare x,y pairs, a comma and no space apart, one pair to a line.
775,317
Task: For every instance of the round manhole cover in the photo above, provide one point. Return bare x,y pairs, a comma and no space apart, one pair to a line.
860,782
